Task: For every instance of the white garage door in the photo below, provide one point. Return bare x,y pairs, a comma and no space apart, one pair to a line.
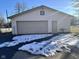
24,27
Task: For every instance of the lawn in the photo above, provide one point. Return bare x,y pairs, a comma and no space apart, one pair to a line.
74,29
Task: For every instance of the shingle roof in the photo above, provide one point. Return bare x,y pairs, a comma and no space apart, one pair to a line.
10,17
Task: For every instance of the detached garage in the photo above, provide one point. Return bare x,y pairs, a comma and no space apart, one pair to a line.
41,19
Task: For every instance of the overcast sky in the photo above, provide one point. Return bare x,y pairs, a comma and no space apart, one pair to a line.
62,5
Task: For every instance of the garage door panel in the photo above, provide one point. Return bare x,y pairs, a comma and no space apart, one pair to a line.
32,27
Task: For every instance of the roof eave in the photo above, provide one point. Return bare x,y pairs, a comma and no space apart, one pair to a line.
10,17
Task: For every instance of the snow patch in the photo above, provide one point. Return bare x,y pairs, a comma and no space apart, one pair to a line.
23,38
28,38
8,44
49,48
34,47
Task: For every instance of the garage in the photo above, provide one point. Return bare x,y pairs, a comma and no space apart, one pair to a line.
40,19
24,27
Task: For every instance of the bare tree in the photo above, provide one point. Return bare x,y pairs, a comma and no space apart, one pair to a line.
19,7
1,21
76,13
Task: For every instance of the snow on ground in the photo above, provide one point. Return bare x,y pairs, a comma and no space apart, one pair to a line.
34,47
8,44
28,38
50,47
42,48
24,38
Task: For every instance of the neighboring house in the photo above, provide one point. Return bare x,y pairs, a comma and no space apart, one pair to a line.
41,19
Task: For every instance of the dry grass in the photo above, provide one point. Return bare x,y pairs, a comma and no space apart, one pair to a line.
74,29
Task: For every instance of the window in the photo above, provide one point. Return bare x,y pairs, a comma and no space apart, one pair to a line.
42,12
